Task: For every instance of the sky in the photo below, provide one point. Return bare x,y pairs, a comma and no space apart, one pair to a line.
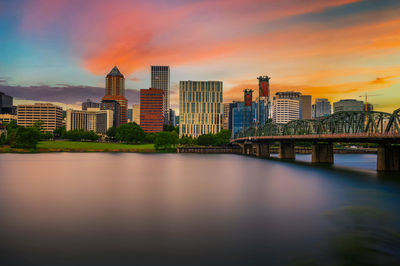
61,50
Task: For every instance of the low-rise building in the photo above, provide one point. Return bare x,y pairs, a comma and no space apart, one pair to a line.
7,118
49,114
348,105
92,119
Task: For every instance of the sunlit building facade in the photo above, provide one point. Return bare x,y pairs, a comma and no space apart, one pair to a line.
51,115
201,107
92,119
115,91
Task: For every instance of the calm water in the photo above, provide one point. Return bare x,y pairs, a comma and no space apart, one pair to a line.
184,209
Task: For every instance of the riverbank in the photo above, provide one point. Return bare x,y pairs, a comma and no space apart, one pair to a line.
77,146
299,150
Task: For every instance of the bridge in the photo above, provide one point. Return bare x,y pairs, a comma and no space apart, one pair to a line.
343,127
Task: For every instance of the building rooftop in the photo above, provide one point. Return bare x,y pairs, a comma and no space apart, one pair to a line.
115,72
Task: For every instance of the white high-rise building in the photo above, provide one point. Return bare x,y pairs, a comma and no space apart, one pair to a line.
200,107
160,79
286,107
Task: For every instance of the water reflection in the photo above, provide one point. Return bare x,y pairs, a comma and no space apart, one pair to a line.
124,209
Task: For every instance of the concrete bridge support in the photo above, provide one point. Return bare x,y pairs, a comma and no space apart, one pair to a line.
261,150
388,158
322,153
286,150
247,149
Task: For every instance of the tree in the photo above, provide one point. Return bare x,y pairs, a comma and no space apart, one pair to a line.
60,132
187,140
2,139
27,137
223,137
206,140
111,132
130,132
149,138
165,140
46,136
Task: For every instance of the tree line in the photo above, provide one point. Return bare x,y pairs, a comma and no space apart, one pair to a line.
28,137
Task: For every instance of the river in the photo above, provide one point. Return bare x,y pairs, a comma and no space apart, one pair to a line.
193,209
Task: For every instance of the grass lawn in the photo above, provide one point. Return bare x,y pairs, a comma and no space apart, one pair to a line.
77,145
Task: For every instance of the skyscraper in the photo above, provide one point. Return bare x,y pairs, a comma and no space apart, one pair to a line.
200,104
305,107
160,80
115,91
321,108
225,118
6,104
151,110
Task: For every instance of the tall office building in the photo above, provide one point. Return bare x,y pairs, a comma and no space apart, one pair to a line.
115,91
225,116
151,110
130,115
171,119
348,105
321,108
160,79
305,107
238,111
49,114
6,104
90,104
200,107
136,113
92,119
286,107
115,107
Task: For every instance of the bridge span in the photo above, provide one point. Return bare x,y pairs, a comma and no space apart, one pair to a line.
343,127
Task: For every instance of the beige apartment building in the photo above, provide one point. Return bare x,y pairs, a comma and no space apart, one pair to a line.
136,113
7,118
92,119
200,107
49,114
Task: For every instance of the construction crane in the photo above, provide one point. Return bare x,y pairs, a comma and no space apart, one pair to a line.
366,95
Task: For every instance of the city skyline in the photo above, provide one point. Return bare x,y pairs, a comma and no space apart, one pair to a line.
343,49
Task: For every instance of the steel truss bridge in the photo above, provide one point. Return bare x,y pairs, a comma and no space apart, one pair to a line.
349,126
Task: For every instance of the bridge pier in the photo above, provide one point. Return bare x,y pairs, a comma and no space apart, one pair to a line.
261,150
247,149
286,150
388,158
322,153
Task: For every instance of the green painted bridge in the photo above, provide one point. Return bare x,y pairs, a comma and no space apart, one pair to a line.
364,127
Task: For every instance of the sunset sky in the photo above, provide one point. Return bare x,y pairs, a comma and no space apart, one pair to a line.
61,50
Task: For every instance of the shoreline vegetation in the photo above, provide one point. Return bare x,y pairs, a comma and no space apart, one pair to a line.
87,146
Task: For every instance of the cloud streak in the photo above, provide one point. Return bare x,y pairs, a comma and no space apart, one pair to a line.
64,93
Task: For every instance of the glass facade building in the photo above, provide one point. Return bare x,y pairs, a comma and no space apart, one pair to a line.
240,114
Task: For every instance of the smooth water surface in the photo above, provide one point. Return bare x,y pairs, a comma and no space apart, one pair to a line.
182,209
